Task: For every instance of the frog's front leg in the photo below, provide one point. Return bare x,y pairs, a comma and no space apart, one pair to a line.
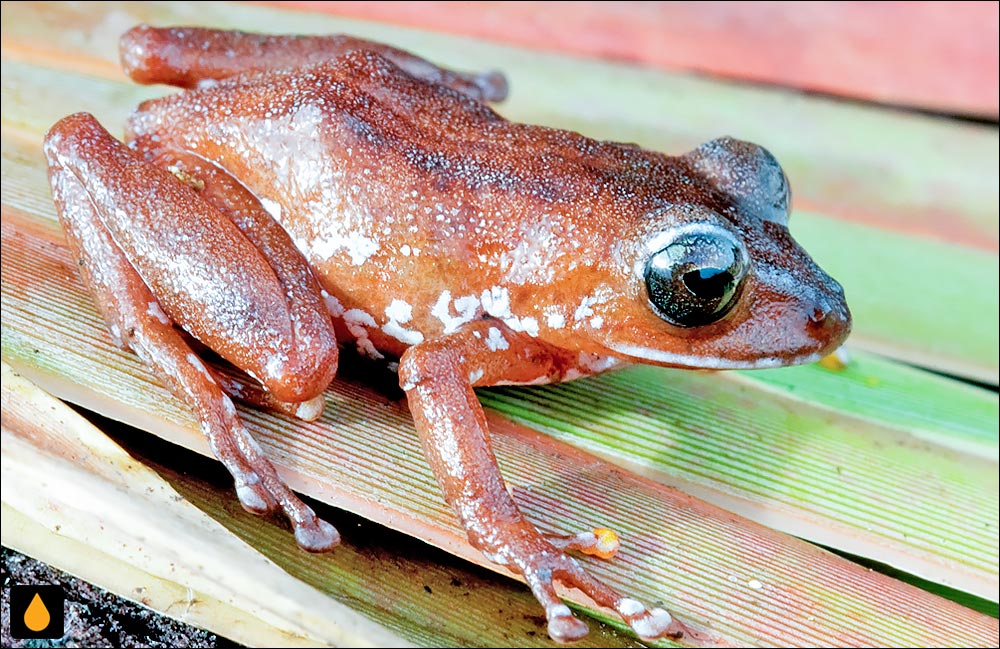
154,254
438,377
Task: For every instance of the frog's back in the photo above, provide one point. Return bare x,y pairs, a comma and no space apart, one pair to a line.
402,193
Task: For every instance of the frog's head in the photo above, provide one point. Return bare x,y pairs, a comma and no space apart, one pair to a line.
717,281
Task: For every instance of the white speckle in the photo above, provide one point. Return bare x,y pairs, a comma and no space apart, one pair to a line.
359,317
530,326
198,365
405,250
755,584
595,363
628,607
475,376
358,246
154,310
356,321
275,364
496,302
333,305
556,320
597,322
399,310
496,558
495,340
273,208
600,295
465,306
403,335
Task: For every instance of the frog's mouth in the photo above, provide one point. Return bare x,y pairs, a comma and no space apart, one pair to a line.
673,359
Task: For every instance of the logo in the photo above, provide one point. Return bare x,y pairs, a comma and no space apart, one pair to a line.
37,612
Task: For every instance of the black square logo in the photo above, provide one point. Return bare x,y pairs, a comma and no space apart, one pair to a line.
37,612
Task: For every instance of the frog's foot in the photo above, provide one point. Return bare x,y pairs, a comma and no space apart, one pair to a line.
600,542
261,491
192,56
246,390
108,201
258,486
542,568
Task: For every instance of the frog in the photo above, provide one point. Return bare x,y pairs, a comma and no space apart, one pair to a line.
303,194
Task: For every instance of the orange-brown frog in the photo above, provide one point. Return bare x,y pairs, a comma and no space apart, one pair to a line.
310,191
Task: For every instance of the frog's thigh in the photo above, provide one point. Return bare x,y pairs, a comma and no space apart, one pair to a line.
302,290
82,157
438,376
185,56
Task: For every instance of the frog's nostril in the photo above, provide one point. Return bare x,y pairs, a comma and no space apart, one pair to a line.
819,313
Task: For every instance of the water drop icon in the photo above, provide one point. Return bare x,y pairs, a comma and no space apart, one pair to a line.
36,616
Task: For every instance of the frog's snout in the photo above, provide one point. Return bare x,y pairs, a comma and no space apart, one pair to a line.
830,319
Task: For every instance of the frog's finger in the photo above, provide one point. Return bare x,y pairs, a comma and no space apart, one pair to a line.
599,542
187,56
80,155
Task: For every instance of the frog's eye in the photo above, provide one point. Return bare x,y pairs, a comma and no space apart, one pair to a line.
696,278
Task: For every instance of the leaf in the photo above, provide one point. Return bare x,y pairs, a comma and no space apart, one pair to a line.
775,44
60,473
731,580
399,593
363,455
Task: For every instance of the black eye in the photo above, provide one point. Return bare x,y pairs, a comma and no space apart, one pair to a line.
694,280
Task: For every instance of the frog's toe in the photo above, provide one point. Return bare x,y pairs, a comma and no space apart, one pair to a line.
566,627
599,542
648,624
493,85
255,498
563,626
317,536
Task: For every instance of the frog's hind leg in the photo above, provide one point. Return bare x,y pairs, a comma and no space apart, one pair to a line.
219,188
154,255
188,56
246,390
